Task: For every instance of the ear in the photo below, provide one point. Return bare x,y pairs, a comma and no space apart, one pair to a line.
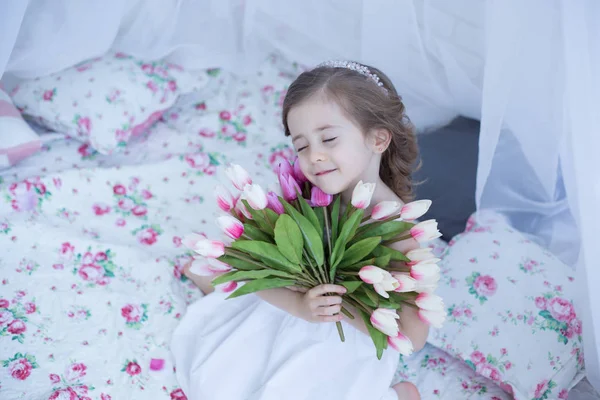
380,140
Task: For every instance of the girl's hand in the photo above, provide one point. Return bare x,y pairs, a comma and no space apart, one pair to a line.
315,306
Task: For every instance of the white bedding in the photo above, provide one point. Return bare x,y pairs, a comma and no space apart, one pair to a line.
90,274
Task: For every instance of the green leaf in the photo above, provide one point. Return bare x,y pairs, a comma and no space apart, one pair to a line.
260,218
319,212
360,250
394,254
243,265
309,213
546,314
470,364
346,233
357,266
372,295
272,216
289,238
383,261
351,286
248,275
364,298
312,239
256,234
261,284
387,230
335,218
379,338
268,253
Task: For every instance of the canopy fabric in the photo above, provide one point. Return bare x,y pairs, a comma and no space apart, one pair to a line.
536,90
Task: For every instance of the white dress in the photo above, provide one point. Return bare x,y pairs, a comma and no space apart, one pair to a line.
247,349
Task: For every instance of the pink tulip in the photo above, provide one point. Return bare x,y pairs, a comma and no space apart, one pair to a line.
385,209
426,272
209,248
190,240
284,168
433,318
425,231
298,174
414,210
231,226
418,255
361,196
241,209
405,283
430,302
238,176
208,267
401,344
384,320
318,198
274,203
426,287
289,187
225,200
227,287
381,279
255,196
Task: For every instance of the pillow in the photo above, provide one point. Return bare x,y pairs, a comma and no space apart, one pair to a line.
510,310
448,173
17,139
105,101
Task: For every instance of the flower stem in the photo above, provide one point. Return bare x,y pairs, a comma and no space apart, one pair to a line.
328,233
317,274
340,331
399,239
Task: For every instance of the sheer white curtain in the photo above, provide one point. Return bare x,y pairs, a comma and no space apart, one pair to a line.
530,74
44,36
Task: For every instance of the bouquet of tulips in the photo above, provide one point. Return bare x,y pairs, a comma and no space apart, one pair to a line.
304,237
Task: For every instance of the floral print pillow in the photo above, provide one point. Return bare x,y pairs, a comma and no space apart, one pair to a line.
511,316
105,101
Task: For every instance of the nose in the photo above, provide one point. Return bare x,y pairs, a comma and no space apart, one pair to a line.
317,156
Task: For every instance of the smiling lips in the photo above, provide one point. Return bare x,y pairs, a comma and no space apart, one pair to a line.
324,172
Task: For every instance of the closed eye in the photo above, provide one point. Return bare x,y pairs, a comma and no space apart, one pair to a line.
329,140
301,148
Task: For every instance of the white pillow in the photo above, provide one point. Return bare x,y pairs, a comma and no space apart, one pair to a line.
510,310
105,101
17,139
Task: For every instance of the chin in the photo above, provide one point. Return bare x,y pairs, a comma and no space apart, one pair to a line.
331,188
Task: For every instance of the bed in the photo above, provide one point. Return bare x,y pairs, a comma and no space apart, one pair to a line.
91,283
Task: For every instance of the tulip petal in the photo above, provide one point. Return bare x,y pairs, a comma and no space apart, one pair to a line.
434,318
415,209
401,344
361,196
379,289
191,239
371,274
430,302
385,209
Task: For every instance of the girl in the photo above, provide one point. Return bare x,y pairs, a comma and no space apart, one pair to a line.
347,124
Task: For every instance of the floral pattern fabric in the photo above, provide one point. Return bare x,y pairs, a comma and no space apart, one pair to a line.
92,286
511,312
105,101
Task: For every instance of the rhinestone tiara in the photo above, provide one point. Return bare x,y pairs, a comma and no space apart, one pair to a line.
354,66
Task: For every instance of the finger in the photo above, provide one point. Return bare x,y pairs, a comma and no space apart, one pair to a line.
328,300
331,318
331,310
327,288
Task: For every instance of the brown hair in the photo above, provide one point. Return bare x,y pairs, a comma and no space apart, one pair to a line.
371,107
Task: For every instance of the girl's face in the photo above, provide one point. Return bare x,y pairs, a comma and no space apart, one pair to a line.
333,152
